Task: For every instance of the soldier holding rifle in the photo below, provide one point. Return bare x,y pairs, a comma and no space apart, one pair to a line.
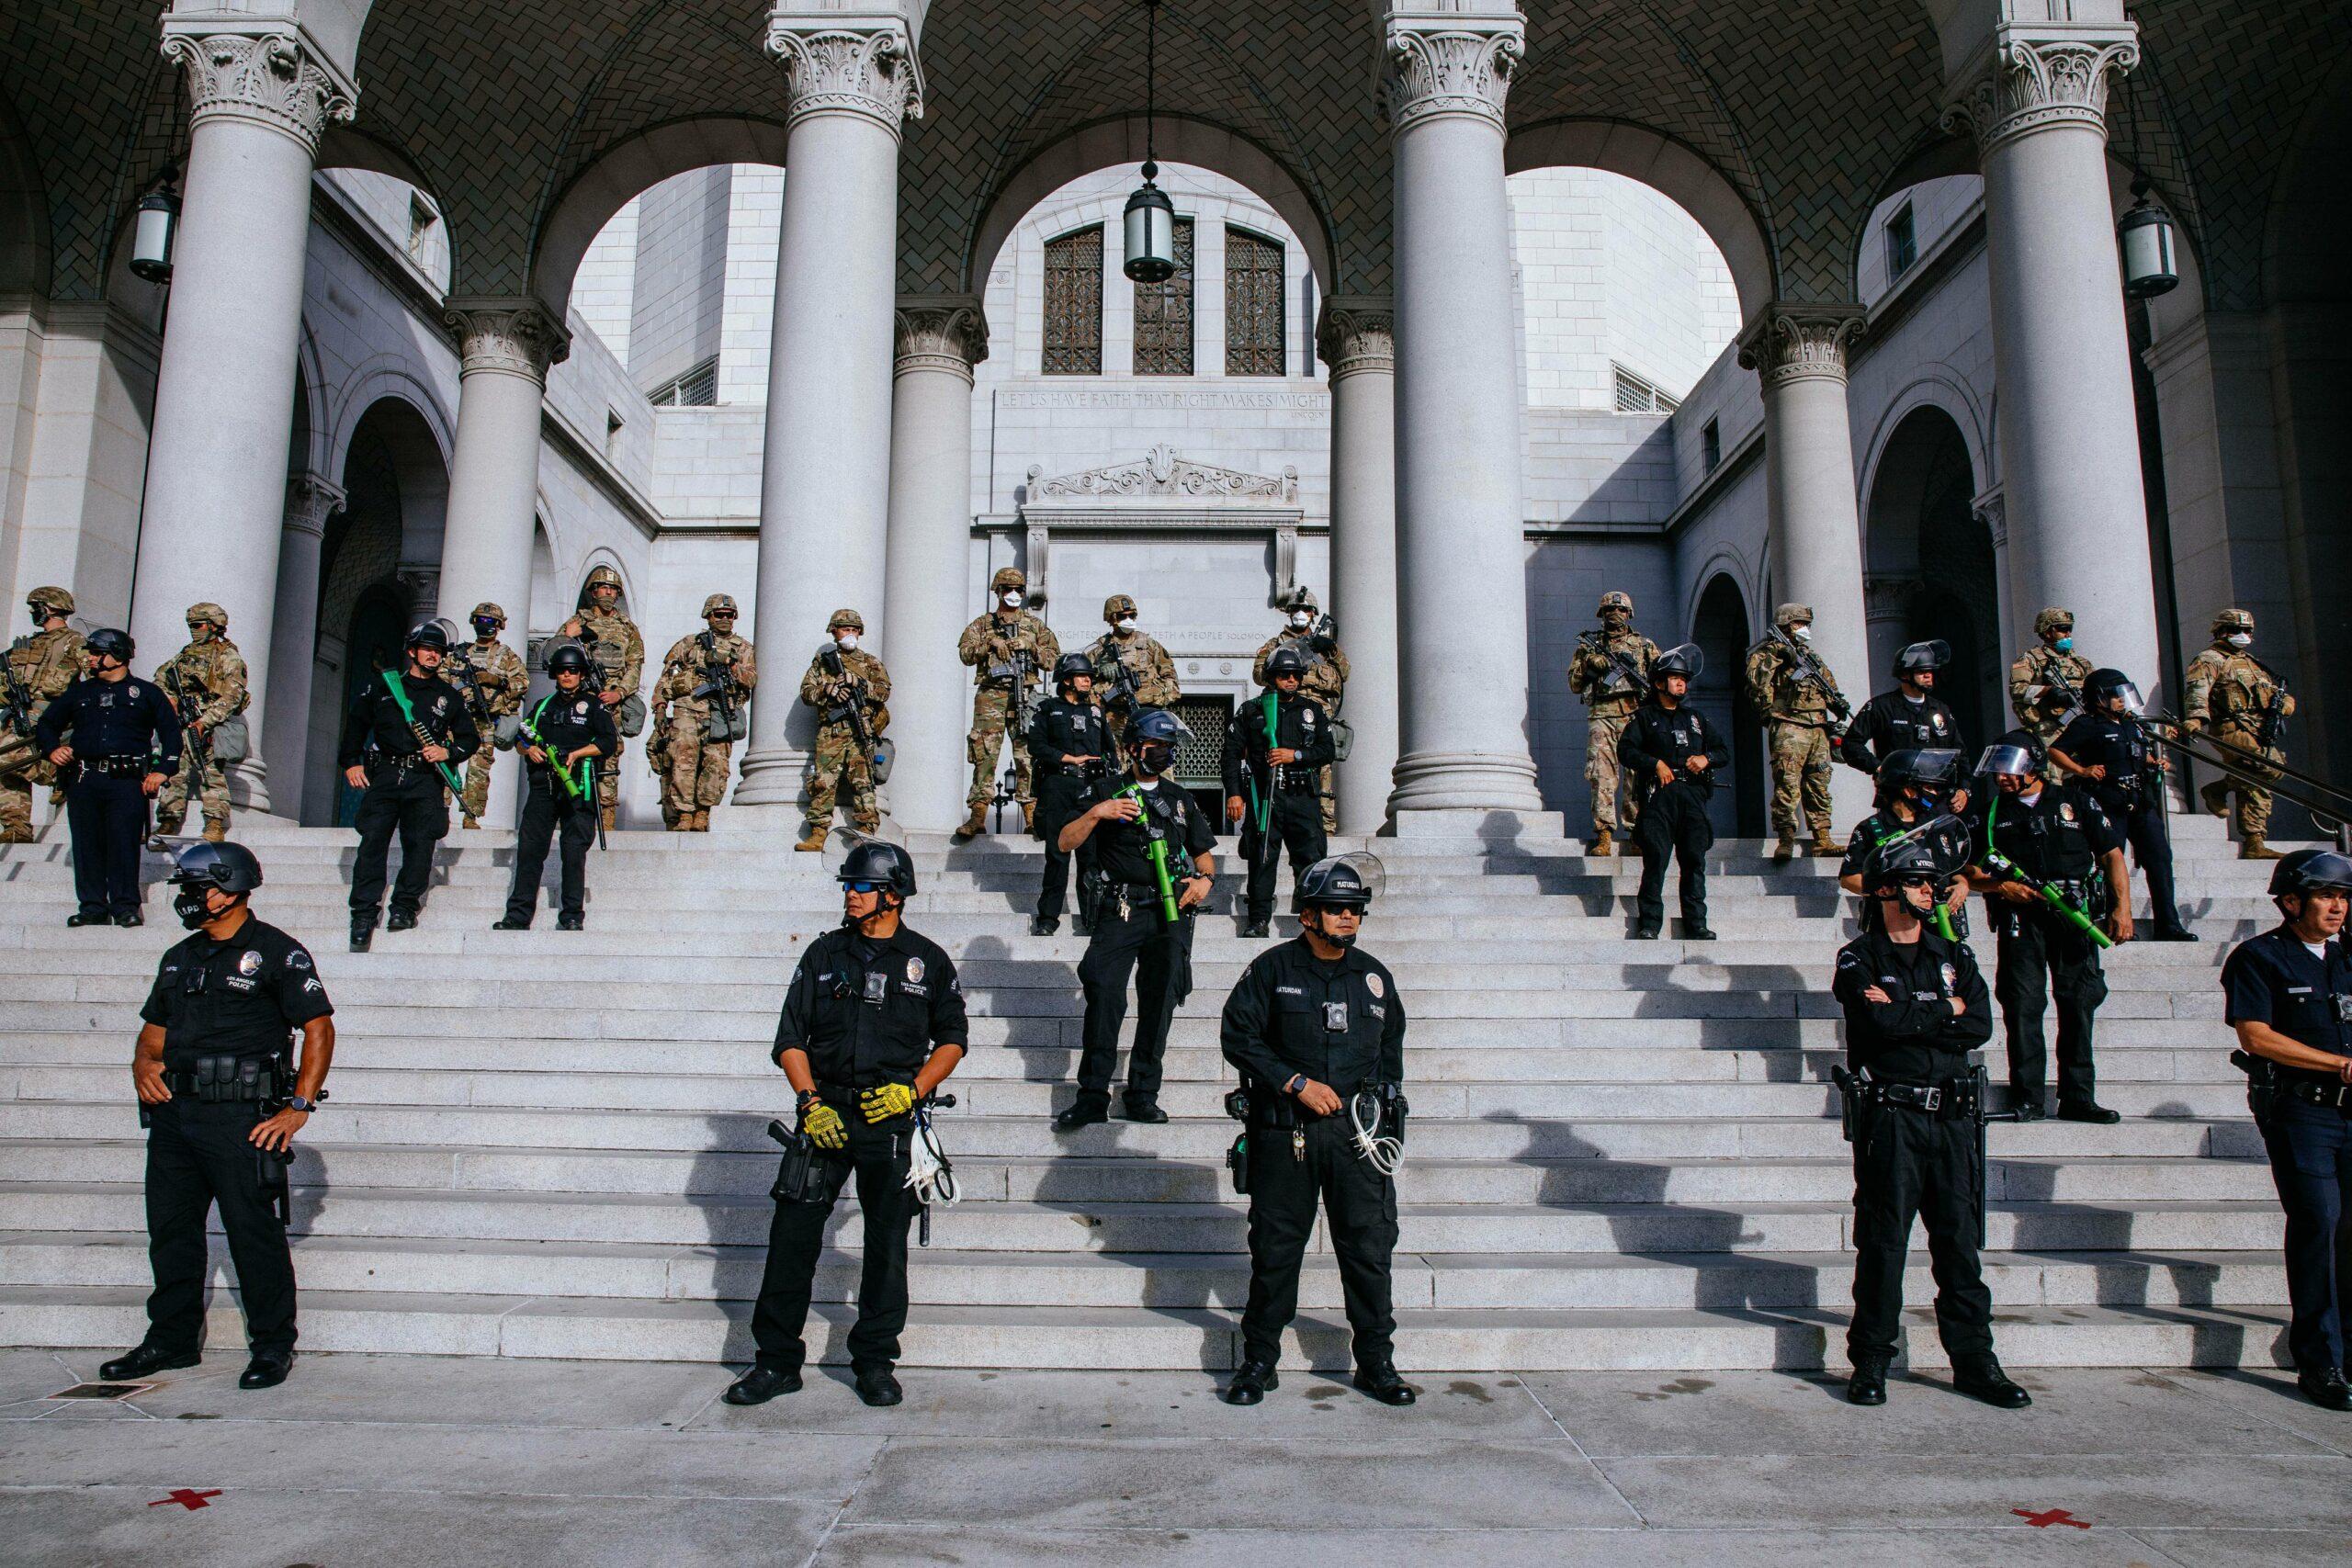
1010,651
848,687
705,687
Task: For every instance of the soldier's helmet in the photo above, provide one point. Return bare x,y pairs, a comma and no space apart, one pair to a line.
2311,871
603,577
1007,577
487,611
1923,656
1160,726
206,611
1116,606
877,861
849,619
1304,599
1284,662
1070,666
108,642
1896,860
229,867
570,656
716,602
1686,661
1614,600
2230,621
2053,620
51,601
428,634
1789,615
1342,881
1928,768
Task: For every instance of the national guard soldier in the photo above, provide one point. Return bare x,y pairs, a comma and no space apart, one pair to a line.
617,651
1010,651
1275,750
2046,681
705,694
495,680
1131,668
1132,933
205,681
221,1097
574,731
1070,746
2061,839
1915,1009
2105,752
406,731
1673,754
1921,795
872,1025
1317,1030
2242,702
1611,671
124,743
1910,717
2290,999
39,669
849,688
1325,683
1798,696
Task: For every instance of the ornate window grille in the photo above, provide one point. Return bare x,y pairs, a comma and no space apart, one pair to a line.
1253,304
1164,315
1074,304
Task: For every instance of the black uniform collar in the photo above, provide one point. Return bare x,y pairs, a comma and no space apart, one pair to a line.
897,941
1350,959
1929,945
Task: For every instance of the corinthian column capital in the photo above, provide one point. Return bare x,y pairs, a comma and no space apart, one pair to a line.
846,62
941,331
1451,62
506,337
1800,342
1357,334
270,78
310,499
2033,79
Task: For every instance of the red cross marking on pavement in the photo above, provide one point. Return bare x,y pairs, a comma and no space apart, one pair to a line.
186,1500
2043,1521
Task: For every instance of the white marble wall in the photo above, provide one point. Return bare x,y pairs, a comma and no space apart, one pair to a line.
603,291
682,248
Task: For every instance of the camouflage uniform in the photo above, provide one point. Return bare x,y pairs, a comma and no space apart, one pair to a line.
1797,725
836,760
2228,693
494,680
44,664
1326,682
617,651
207,680
1155,672
2045,715
695,777
1609,702
990,644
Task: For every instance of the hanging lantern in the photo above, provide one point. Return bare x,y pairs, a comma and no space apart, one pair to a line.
2151,262
1151,217
158,226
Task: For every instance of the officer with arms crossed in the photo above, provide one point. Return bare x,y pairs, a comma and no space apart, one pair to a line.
406,731
1132,931
1915,1007
1673,755
872,1023
1316,1028
115,740
222,1104
1910,717
2104,752
581,730
1275,750
1069,747
2289,998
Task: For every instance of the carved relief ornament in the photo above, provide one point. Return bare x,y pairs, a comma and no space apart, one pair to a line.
268,78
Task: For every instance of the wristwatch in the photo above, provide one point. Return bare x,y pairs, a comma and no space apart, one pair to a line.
295,1102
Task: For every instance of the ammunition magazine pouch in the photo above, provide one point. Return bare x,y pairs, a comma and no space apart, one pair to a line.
230,1079
726,725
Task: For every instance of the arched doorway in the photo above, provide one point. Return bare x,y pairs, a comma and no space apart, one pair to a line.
1932,571
1721,631
372,644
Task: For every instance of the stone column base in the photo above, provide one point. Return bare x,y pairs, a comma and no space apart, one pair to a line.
1463,782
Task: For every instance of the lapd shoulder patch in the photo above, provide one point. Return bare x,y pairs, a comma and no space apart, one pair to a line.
1374,984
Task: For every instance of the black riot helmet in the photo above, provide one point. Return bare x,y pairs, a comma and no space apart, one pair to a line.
570,656
1158,726
1341,882
1686,661
1929,657
229,867
880,861
1906,859
2311,871
1937,771
108,643
1284,660
428,634
2103,684
1070,666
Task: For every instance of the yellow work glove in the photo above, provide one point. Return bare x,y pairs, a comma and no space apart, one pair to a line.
823,1126
891,1100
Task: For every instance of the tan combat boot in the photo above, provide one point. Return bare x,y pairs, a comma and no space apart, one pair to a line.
1028,815
702,821
214,833
2216,796
15,836
973,826
1786,848
470,822
1824,847
607,817
2253,847
814,839
1603,846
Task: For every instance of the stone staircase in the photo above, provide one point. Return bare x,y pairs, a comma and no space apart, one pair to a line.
1622,1153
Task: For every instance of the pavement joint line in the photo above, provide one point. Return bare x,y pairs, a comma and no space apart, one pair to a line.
818,1550
2172,1377
1590,1463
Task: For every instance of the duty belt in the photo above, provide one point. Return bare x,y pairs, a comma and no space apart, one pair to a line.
400,762
2336,1096
1947,1101
231,1078
121,767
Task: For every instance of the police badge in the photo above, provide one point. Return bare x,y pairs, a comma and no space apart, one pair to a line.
2066,811
1951,976
914,971
249,961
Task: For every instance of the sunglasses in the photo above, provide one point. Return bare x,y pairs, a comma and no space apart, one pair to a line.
722,614
865,886
1907,883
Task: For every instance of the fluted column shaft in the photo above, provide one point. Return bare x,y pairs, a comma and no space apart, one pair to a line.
310,501
1357,340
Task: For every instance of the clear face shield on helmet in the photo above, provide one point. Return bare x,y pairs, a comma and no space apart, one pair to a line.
2132,703
2003,761
1335,893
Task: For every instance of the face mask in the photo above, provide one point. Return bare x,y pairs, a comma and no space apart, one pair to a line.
1803,633
847,641
1300,619
1127,624
485,628
190,908
2064,645
1010,600
1154,760
1615,619
2240,639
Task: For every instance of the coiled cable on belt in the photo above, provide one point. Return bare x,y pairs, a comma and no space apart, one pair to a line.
1383,1151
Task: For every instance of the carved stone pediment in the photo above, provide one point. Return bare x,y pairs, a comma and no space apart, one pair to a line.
1164,477
1162,492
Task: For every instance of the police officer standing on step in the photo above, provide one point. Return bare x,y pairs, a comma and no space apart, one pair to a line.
1317,1029
1132,931
406,730
1671,753
1915,1007
221,1100
1275,750
1918,795
578,730
872,1024
1910,717
114,741
1070,750
2105,752
2289,998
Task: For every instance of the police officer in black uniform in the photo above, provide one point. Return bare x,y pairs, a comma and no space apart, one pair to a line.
581,729
1921,795
1132,931
2290,999
1069,747
222,1102
402,771
872,1025
2061,837
1317,1029
1910,716
1272,781
2105,752
1671,755
116,740
1915,1007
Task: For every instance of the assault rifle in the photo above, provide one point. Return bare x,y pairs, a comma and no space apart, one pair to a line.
719,679
190,708
1125,693
1626,679
1323,636
1809,672
851,708
2056,693
1993,860
16,692
468,684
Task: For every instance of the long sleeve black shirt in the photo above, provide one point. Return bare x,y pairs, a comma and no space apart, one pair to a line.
1064,728
128,718
871,1012
1280,1021
1656,734
567,724
1914,1036
1300,724
1893,722
375,724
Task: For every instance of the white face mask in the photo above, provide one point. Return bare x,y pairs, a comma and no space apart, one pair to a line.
1010,600
1803,633
1300,619
848,641
1126,623
2240,639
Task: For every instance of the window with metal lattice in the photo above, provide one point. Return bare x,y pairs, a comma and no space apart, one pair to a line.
1253,304
1164,315
1074,304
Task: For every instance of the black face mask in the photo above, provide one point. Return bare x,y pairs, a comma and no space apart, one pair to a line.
190,906
1155,760
484,628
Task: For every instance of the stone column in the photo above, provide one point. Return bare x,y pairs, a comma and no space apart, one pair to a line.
215,465
1357,339
940,338
310,501
1991,511
1814,533
850,79
1461,518
1886,610
2036,100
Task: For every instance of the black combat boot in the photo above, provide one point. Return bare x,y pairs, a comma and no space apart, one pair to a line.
401,920
571,922
2326,1389
1379,1380
877,1387
145,1361
1085,1112
2089,1111
1044,925
1980,1377
760,1384
1252,1379
268,1368
1257,927
363,930
1868,1385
